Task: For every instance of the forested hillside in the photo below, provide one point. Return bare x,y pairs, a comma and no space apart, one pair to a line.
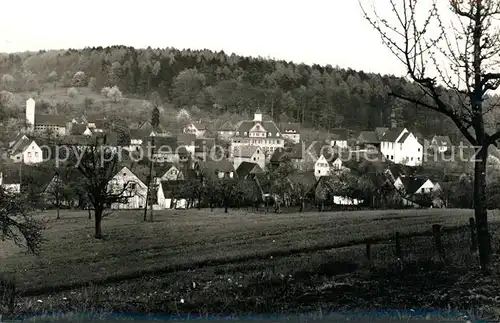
217,83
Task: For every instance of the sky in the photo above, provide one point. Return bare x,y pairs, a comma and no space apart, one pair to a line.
313,31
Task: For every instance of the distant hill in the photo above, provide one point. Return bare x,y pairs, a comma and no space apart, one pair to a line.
217,83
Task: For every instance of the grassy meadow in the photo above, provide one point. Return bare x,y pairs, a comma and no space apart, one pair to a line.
199,261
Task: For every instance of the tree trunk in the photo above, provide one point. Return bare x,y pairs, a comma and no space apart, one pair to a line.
58,212
480,211
98,219
302,206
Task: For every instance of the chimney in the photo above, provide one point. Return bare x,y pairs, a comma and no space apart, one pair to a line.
257,117
30,113
394,124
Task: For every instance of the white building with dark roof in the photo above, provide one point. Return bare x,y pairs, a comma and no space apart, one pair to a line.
44,123
291,131
257,132
401,147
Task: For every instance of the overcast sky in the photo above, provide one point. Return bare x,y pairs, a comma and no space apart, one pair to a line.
312,31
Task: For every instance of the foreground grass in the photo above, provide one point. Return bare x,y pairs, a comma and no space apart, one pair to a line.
188,239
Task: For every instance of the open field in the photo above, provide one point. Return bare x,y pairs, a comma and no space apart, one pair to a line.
189,238
238,262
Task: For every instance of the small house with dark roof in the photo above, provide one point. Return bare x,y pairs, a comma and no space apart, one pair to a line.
251,154
168,172
339,137
257,132
248,170
221,169
400,146
412,188
197,128
26,151
291,131
368,138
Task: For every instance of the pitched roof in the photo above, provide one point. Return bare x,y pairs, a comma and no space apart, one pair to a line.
392,134
339,134
368,137
212,166
247,168
290,127
412,183
245,151
50,120
270,127
226,126
22,146
403,137
139,133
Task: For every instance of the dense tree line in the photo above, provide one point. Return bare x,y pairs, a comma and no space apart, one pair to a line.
215,82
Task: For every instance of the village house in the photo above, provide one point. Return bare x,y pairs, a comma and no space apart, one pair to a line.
321,167
339,137
222,169
252,154
410,187
303,156
226,131
96,124
197,128
291,131
258,133
44,123
26,151
134,189
248,170
169,172
170,195
440,143
400,146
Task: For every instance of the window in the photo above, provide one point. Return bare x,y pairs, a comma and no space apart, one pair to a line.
269,134
392,157
29,154
133,186
418,158
418,149
124,174
254,159
245,133
387,156
412,159
422,190
36,154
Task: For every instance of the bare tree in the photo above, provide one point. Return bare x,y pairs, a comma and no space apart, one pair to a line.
98,164
454,66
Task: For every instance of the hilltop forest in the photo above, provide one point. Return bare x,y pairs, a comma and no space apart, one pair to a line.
217,83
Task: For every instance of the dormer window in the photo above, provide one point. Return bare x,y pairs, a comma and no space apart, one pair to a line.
244,134
269,134
237,133
277,134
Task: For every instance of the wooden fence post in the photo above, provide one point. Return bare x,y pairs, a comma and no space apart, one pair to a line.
436,233
473,237
398,246
368,251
